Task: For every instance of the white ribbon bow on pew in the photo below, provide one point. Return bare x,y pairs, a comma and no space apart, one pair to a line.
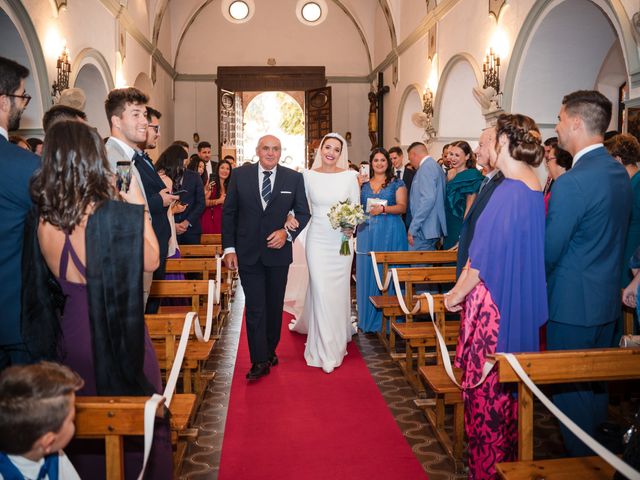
191,318
376,274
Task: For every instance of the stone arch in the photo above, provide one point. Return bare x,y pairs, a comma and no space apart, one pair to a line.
144,84
91,56
410,103
460,75
91,80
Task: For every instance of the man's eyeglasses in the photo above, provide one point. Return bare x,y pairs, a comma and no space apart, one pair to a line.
25,96
155,127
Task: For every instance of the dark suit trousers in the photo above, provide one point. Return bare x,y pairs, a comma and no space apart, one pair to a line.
153,303
585,403
264,289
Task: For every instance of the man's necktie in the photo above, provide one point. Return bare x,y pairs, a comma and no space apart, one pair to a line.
266,186
484,183
398,173
142,159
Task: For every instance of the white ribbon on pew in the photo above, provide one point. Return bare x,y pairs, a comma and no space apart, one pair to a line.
590,442
444,352
151,405
376,274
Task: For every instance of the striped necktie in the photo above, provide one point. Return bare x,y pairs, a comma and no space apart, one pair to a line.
266,186
398,172
485,180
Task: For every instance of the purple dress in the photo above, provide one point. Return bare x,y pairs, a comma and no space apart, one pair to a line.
503,313
76,352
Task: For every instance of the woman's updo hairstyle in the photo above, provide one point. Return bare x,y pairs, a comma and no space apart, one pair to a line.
525,141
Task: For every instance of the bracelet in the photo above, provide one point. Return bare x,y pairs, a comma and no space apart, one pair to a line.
384,210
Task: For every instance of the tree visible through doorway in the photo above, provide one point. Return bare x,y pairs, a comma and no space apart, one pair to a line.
275,113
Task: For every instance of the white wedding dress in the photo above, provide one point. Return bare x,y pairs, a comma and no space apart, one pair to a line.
326,317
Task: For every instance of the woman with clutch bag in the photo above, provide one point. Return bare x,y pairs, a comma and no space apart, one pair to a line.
384,198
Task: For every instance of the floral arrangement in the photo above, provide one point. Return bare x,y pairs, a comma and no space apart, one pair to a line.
346,216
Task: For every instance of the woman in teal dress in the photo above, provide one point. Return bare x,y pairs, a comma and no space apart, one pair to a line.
461,190
385,199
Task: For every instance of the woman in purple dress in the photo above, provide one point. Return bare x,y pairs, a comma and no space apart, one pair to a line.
501,294
96,247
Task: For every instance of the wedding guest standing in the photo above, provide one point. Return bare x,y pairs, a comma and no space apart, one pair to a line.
585,233
384,197
502,295
558,163
77,233
461,190
17,167
211,219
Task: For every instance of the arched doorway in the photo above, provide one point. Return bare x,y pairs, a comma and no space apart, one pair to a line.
279,114
411,103
91,81
573,45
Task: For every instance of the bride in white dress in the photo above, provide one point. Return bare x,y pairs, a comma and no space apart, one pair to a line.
326,317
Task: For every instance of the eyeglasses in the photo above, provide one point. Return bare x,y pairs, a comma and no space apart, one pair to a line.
155,127
25,96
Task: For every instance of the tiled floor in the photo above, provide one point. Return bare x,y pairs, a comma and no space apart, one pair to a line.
203,457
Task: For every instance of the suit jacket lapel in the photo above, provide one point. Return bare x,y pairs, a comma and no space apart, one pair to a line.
255,185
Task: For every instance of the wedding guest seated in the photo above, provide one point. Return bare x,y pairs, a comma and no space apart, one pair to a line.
625,149
89,314
461,190
501,294
384,197
211,219
36,421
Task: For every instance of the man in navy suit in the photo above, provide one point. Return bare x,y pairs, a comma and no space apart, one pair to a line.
585,233
188,222
17,167
405,173
259,198
486,157
428,223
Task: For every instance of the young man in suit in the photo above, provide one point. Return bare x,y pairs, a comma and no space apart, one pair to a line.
259,198
486,156
428,223
159,198
17,166
405,173
188,225
585,233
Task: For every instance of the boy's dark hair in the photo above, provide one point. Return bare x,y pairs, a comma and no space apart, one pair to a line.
118,99
592,107
415,145
11,73
61,112
34,400
33,143
397,150
202,145
182,143
152,112
229,158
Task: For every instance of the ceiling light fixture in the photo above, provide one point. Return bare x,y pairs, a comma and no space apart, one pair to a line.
311,12
239,10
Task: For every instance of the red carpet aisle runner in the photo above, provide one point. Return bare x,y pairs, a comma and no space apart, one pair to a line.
300,423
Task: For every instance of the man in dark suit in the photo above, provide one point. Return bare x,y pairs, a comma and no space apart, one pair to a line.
188,222
17,166
585,233
256,243
486,156
404,173
159,197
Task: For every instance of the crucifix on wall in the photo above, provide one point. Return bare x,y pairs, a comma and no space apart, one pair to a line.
376,113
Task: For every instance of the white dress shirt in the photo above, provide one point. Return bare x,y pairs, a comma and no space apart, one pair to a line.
584,151
4,133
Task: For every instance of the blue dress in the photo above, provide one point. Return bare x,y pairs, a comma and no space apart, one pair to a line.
380,233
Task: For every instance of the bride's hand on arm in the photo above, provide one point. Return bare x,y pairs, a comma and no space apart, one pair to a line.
291,224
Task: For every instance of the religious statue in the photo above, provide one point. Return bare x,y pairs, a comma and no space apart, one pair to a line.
373,119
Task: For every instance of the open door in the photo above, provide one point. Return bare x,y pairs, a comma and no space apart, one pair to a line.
230,124
317,118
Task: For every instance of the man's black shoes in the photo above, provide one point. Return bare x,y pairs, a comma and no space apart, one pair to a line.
258,370
273,361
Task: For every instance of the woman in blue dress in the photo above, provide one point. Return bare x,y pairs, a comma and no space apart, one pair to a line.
384,197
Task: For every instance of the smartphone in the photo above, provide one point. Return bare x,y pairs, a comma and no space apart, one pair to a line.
123,175
364,170
178,192
212,178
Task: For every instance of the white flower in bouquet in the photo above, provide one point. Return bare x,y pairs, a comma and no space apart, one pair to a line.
346,215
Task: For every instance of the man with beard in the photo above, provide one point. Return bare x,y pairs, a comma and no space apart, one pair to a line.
17,166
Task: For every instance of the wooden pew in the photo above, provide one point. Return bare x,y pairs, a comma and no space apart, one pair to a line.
113,418
562,366
165,331
205,266
195,290
209,251
408,277
211,239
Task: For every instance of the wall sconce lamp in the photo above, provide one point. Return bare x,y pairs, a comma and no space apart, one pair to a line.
64,69
491,71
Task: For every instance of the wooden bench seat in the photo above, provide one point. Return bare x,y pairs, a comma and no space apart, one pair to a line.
113,418
580,468
210,251
447,393
561,366
211,239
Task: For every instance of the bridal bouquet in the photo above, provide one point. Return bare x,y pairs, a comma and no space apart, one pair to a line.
346,215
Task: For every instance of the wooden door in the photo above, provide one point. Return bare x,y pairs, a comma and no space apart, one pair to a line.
230,123
317,119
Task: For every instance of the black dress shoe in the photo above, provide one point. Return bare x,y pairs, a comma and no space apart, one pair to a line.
273,361
258,370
